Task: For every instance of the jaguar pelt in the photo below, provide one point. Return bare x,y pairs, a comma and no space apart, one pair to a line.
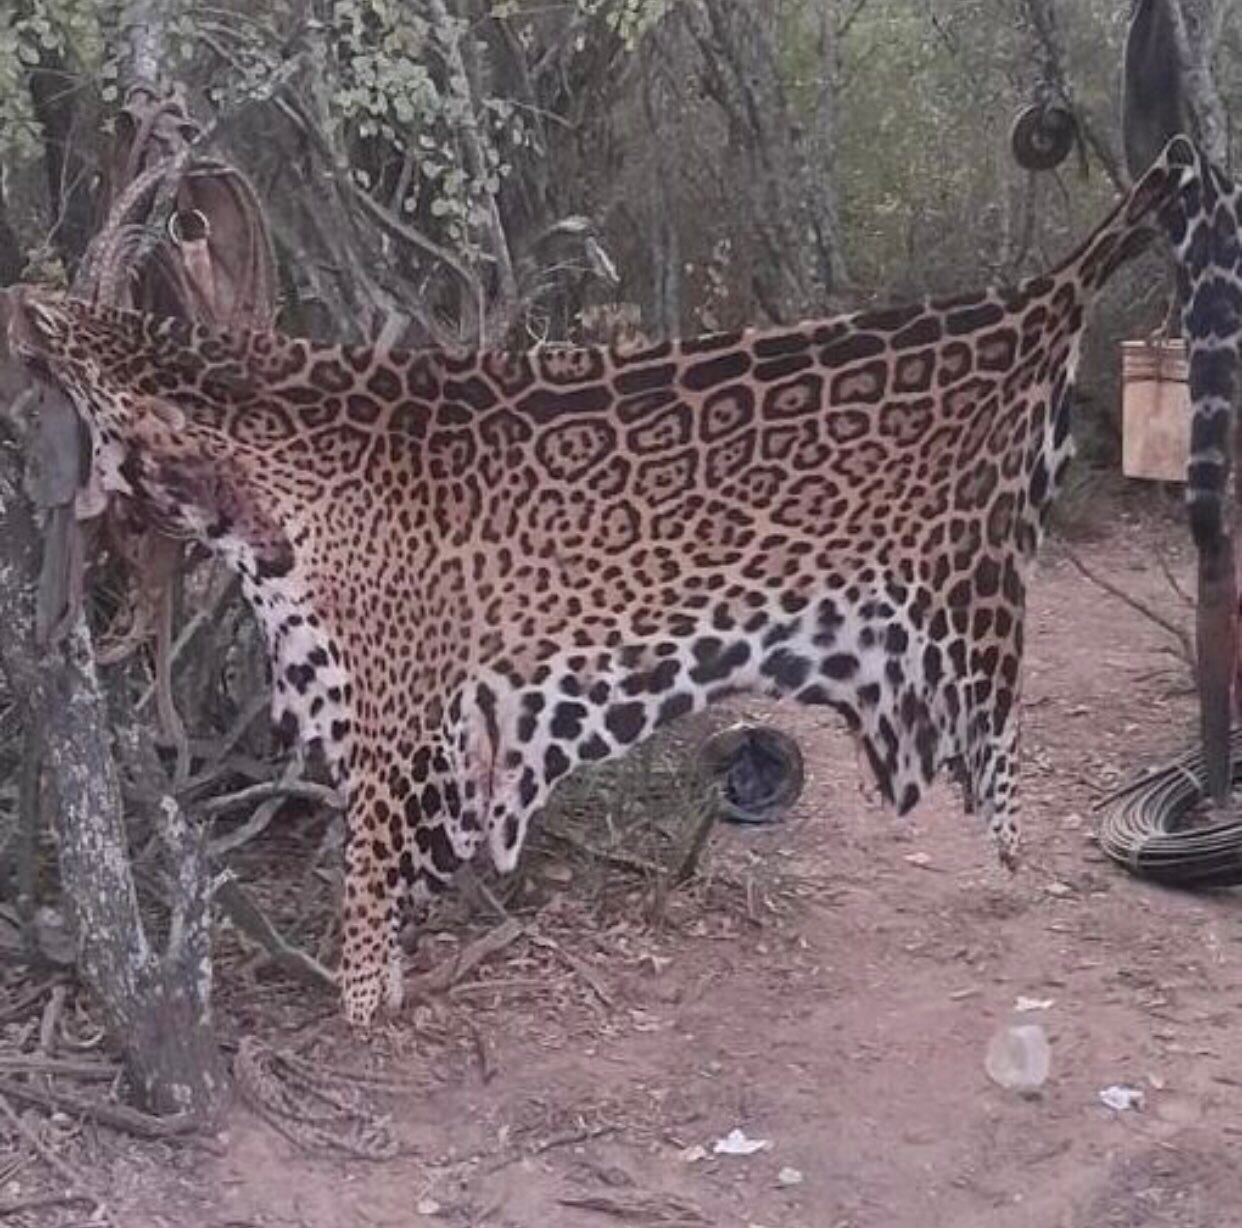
477,572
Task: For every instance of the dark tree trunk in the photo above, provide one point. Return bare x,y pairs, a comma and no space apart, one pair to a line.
68,176
821,160
10,248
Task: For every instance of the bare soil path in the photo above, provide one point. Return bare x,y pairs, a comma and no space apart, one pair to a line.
831,987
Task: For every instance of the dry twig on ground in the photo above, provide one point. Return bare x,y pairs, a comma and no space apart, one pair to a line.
250,919
117,1116
77,1188
465,961
1186,648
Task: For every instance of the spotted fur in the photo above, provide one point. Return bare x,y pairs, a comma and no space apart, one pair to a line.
475,573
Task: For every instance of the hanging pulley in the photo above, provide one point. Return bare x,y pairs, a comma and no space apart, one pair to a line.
1042,136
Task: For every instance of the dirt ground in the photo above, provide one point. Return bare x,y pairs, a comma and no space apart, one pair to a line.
830,986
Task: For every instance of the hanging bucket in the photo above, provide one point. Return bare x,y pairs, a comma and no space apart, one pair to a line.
1155,408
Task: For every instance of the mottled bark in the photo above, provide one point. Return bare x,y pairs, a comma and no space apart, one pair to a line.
662,220
143,53
783,178
822,159
1198,39
463,82
156,1005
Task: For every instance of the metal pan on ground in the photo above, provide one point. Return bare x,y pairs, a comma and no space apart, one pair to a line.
758,772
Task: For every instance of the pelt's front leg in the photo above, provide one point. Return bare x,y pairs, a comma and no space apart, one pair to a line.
372,966
997,787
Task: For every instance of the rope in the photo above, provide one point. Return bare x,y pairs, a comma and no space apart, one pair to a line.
1147,826
319,1110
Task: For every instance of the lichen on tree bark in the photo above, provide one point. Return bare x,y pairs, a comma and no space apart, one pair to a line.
156,1004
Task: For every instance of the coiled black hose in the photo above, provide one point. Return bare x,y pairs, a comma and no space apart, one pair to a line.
1143,826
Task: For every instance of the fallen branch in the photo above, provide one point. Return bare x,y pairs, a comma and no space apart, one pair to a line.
217,752
24,1005
205,617
465,961
1187,600
272,794
497,985
570,1137
50,1022
478,894
281,789
77,1187
40,1202
704,821
623,861
578,966
482,1051
643,1208
103,1072
1141,607
687,863
567,1139
117,1116
250,919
